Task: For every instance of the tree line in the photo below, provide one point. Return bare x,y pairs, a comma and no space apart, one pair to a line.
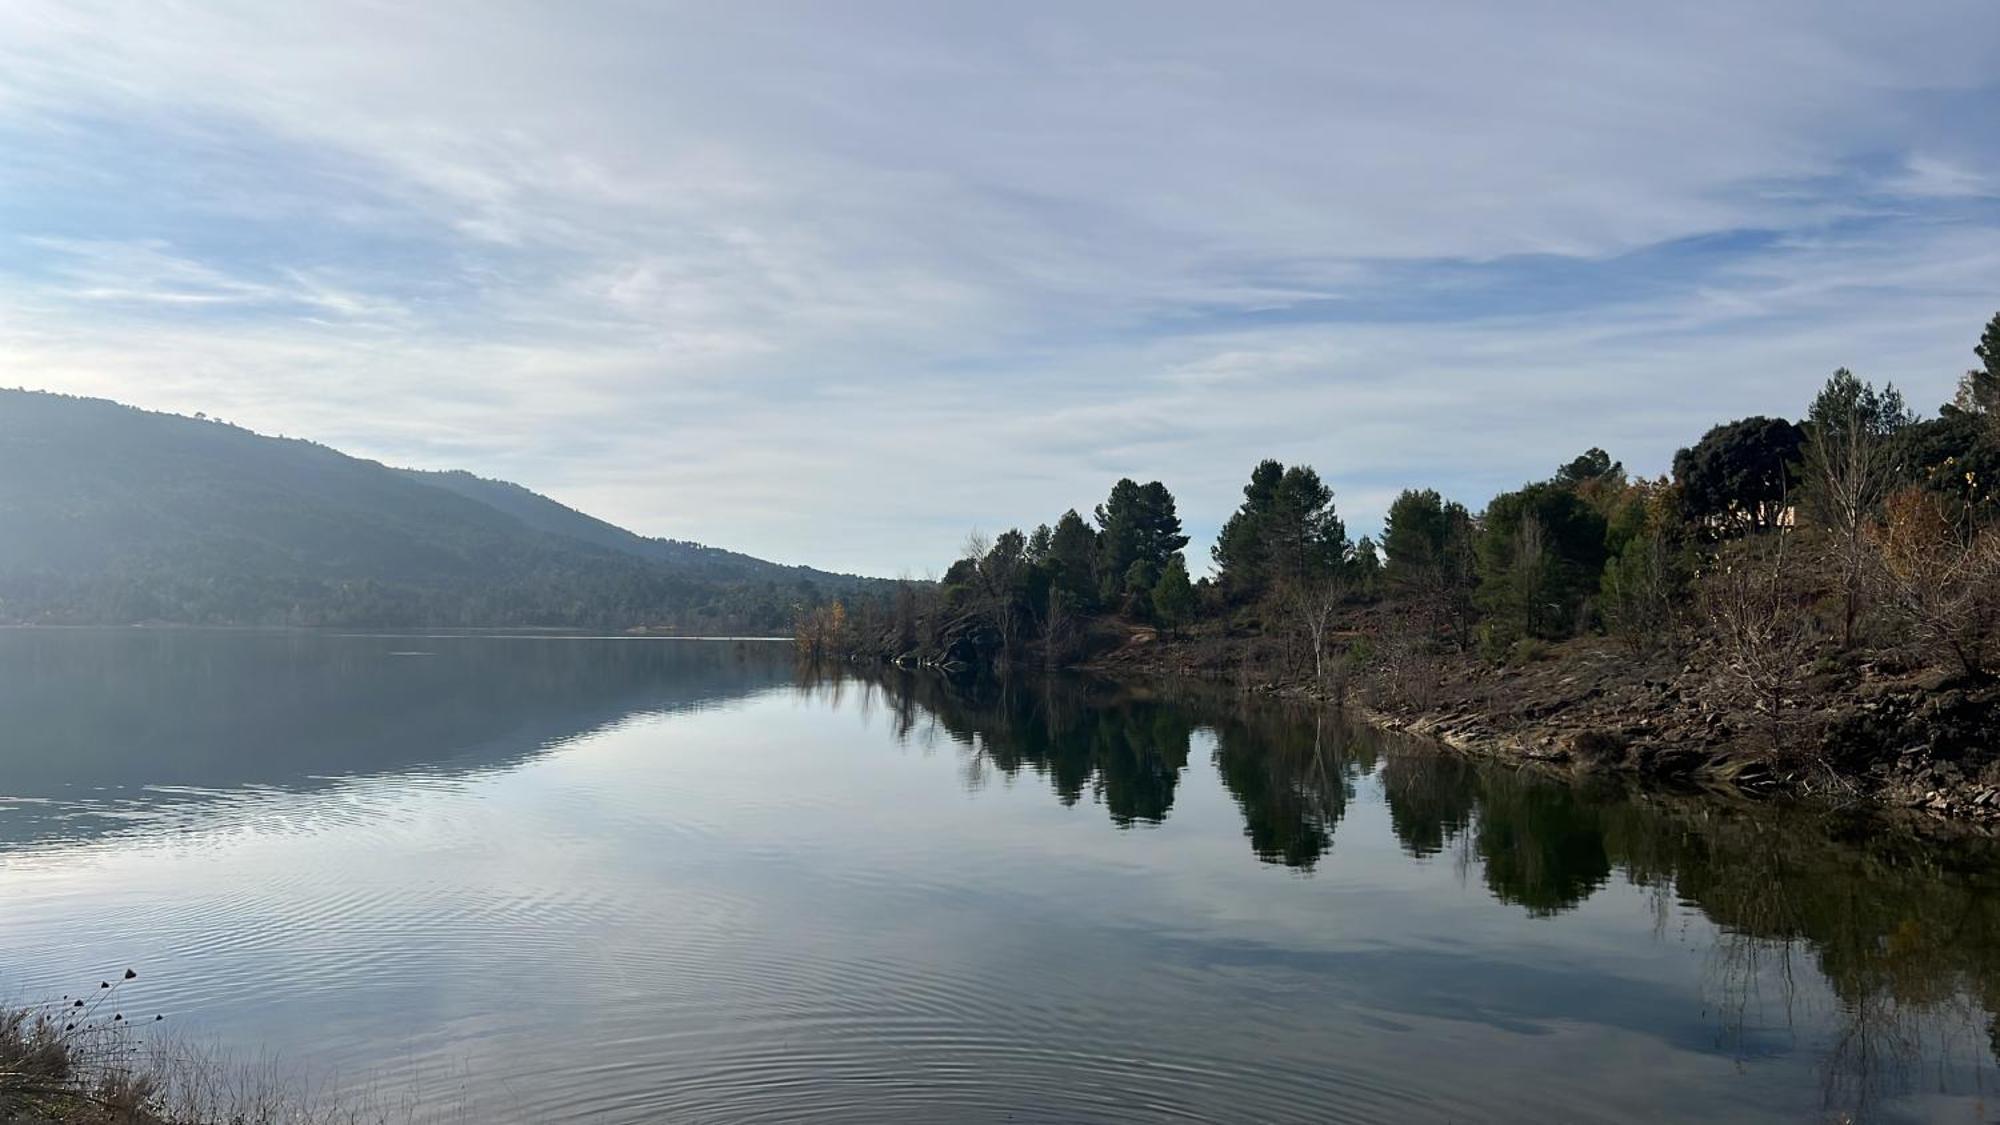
1860,523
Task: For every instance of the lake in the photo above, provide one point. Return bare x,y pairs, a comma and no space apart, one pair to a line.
565,879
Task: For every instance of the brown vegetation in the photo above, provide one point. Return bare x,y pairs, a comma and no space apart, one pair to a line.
80,1061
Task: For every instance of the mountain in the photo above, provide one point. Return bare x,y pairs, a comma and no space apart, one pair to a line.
556,518
113,514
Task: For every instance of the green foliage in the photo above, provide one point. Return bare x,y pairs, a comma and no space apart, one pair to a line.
1173,595
1980,391
1006,564
1541,550
1592,468
1366,567
1138,529
1039,541
1850,409
1421,534
1286,531
1956,457
1849,434
1140,578
1739,474
1072,559
1431,566
1640,588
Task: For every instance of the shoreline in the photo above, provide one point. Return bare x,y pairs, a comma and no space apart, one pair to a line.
1890,745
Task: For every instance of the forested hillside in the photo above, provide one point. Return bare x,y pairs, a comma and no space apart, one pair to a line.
110,514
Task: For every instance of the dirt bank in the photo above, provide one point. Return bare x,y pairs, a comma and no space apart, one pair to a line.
1848,731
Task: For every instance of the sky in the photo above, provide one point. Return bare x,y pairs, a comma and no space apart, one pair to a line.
839,283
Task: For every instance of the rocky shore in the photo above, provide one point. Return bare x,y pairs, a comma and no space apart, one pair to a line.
1849,732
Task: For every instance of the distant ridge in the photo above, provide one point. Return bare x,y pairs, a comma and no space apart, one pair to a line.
112,514
556,518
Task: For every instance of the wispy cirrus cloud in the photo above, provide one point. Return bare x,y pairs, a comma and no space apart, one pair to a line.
831,284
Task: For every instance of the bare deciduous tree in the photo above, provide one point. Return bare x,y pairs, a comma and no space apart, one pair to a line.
1310,603
1763,631
1409,667
1941,580
1059,630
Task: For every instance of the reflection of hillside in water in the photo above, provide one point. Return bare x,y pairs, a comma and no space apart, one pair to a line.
102,725
1904,929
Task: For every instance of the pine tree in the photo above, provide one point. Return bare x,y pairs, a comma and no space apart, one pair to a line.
1138,528
1286,531
1072,557
1979,391
1173,594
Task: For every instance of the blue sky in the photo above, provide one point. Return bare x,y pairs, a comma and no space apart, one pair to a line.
841,283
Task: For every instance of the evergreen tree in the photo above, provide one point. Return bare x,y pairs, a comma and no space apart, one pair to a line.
1593,467
1849,409
1367,565
1173,594
1286,531
1955,457
1137,526
1140,578
1038,544
1117,536
1239,549
1980,392
1159,526
1740,473
1430,543
1306,538
1072,559
1541,554
1415,534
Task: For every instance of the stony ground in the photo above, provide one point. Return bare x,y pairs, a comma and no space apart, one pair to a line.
1852,730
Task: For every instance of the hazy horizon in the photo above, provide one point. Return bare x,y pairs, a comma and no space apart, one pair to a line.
837,288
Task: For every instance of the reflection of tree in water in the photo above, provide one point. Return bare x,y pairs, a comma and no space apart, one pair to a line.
1430,799
1904,930
1540,846
1125,749
1293,775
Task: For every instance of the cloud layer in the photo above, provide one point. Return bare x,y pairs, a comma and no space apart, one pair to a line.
836,283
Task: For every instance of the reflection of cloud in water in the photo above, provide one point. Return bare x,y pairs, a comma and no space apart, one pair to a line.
751,869
111,729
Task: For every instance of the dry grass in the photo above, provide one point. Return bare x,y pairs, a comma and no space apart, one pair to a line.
81,1061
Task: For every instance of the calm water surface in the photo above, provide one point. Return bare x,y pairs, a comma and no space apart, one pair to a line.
617,880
